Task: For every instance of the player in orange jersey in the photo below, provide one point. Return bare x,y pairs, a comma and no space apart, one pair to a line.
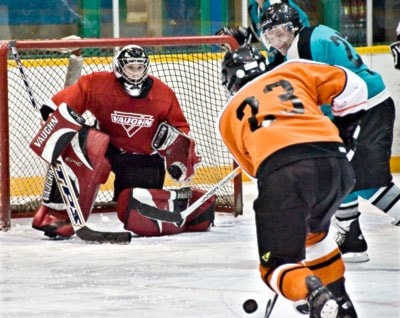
277,133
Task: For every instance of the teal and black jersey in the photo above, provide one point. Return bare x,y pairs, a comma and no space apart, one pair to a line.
323,44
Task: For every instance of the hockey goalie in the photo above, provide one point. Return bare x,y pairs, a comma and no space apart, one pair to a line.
141,134
86,152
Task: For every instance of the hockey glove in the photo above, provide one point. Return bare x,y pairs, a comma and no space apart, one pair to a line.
56,133
395,48
47,108
178,150
241,34
349,130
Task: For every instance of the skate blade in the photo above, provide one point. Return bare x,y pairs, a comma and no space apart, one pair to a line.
360,257
302,307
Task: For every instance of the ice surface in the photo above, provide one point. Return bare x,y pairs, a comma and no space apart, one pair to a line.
187,275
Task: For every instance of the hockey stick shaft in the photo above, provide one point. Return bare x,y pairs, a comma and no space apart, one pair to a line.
270,305
180,217
64,184
210,193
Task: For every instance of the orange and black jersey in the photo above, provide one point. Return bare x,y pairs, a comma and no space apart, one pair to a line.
281,109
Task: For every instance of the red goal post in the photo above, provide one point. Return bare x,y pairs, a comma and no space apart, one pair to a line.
189,65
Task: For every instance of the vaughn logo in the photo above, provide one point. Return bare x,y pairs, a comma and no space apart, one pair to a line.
132,122
45,132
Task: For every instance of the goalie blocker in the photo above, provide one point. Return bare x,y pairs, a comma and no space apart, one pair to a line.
169,200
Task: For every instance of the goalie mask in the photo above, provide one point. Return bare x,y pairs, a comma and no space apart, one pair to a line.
131,66
241,66
279,24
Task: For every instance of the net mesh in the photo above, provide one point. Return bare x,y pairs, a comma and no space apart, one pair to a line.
192,71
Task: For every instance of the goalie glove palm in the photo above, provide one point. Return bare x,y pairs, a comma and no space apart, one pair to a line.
179,152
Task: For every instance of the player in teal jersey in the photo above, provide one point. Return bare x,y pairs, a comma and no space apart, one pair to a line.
251,34
369,134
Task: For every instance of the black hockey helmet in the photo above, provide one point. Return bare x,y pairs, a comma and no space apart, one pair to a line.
241,66
131,67
280,14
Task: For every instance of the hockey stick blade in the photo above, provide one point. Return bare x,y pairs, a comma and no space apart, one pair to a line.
159,214
180,217
270,306
88,235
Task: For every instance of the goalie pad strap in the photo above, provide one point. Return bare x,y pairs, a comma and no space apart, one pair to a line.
56,134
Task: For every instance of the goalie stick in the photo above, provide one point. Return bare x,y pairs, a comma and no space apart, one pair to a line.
64,184
180,217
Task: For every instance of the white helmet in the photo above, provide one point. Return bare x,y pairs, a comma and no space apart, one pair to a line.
131,67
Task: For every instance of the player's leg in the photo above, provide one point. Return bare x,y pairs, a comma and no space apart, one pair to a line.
51,214
281,232
386,199
348,234
145,174
312,184
323,258
87,169
168,200
135,170
371,164
322,254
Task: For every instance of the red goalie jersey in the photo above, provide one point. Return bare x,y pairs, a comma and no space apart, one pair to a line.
130,122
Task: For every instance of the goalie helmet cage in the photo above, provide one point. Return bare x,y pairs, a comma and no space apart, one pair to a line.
189,65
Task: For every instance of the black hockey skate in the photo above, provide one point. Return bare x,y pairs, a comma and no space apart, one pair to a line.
346,307
350,240
321,301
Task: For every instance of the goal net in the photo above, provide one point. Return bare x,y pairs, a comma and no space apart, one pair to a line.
189,65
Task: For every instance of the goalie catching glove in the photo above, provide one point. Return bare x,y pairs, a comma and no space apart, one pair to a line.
241,34
179,151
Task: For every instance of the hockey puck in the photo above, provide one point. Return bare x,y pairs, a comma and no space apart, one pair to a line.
250,306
